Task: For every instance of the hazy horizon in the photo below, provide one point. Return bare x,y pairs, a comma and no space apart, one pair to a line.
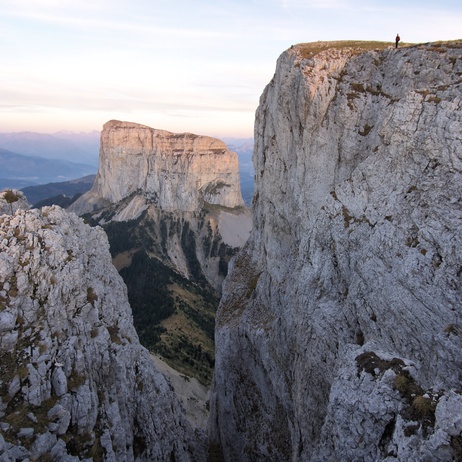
183,66
98,132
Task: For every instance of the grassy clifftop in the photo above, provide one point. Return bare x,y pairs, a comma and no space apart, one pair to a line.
308,50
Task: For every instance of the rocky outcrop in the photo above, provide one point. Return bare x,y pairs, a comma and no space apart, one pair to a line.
74,381
339,335
173,171
12,200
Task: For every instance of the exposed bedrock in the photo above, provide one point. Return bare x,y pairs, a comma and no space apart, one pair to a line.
339,331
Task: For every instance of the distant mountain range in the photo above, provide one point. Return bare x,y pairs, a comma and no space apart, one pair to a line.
62,194
73,147
19,171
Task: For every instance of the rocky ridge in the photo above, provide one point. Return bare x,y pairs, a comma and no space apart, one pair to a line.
74,381
339,335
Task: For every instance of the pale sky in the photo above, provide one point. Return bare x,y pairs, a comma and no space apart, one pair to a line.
195,66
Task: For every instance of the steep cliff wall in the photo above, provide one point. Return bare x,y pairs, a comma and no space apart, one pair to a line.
74,381
174,171
339,332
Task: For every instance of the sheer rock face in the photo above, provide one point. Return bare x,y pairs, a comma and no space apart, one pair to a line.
339,332
74,381
174,171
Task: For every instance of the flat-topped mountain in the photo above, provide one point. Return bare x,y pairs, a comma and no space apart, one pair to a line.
173,171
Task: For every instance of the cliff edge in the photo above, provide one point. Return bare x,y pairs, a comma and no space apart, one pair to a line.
339,331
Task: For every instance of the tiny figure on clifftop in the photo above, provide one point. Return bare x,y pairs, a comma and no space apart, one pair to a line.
397,39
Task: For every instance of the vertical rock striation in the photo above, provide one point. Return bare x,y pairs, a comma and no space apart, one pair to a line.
173,171
339,332
74,381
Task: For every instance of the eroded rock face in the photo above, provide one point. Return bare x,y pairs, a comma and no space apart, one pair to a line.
75,382
173,171
338,335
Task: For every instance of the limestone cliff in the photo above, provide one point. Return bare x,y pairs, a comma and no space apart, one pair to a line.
173,171
74,381
339,333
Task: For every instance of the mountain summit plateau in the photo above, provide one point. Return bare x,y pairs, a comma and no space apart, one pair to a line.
173,171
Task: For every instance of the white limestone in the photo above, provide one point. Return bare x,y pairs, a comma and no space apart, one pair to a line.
180,183
173,171
75,382
356,248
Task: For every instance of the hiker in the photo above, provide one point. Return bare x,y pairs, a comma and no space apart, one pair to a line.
397,39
